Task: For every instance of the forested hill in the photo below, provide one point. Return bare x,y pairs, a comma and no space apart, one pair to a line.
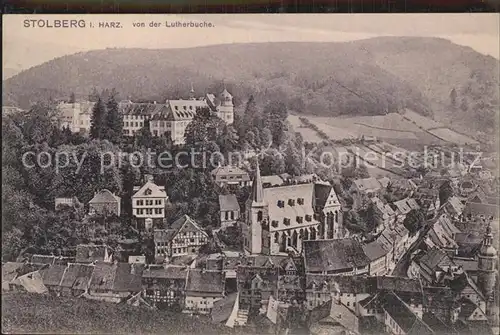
366,77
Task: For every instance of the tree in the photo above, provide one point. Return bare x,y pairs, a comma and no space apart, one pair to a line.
98,128
205,127
453,98
414,221
94,95
144,137
113,119
445,192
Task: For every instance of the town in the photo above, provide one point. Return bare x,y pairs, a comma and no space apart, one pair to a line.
277,240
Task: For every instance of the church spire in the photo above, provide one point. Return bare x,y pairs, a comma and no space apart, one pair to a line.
257,191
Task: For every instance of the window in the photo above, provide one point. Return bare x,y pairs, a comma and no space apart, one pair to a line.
232,215
286,221
157,202
281,203
300,201
308,218
259,216
299,219
140,202
227,215
274,223
291,202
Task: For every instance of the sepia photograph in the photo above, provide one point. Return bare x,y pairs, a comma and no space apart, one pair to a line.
250,174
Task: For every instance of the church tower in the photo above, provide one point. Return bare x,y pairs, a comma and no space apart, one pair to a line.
226,108
487,269
256,215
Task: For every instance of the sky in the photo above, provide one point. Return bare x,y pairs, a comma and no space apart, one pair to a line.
26,47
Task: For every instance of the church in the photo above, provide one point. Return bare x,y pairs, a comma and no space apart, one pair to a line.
278,219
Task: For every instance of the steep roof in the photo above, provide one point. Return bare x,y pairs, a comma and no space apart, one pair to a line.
374,250
273,180
168,272
150,190
184,222
77,276
333,255
104,197
9,271
53,275
287,210
409,322
87,253
228,202
230,171
205,281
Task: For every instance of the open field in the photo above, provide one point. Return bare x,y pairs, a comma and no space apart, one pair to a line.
409,130
308,134
451,136
29,313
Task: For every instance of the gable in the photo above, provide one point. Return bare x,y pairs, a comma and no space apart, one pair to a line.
477,315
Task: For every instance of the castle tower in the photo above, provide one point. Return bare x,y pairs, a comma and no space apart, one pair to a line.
487,269
256,214
225,110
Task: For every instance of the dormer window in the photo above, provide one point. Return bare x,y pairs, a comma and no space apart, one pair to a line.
274,223
300,201
184,107
176,107
291,202
300,219
281,203
308,218
148,192
286,221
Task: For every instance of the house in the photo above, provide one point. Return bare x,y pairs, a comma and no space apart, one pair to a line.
438,325
226,261
378,258
399,319
383,213
114,282
60,203
481,205
52,277
76,279
164,286
75,116
367,186
203,289
148,203
172,118
183,237
229,209
30,282
442,234
104,202
230,175
279,219
430,264
89,253
453,207
404,206
257,280
136,114
332,318
9,273
335,257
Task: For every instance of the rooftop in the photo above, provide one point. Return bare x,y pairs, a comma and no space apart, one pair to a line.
333,255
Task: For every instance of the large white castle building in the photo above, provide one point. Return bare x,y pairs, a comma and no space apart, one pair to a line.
169,119
278,219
